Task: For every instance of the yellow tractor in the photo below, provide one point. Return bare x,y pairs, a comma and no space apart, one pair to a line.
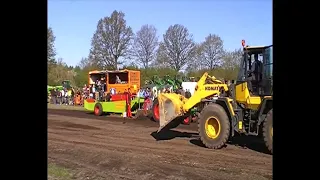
244,107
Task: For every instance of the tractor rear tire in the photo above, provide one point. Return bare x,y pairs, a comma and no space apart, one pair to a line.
98,109
214,121
268,131
155,107
187,120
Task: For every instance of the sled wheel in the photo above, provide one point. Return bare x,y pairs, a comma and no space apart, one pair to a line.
98,109
187,120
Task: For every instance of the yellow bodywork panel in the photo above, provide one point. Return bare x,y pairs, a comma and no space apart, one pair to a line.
199,95
229,103
243,97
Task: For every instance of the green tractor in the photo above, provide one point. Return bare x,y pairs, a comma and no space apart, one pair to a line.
171,82
157,81
65,84
178,80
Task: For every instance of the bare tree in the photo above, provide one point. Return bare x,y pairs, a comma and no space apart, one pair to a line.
232,60
145,44
85,63
51,52
195,65
212,51
179,46
111,40
161,60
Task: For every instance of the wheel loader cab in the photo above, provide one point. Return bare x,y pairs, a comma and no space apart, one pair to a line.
255,76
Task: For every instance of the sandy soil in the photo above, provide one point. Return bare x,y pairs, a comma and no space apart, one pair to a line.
116,148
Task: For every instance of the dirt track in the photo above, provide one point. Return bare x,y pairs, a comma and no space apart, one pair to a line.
114,148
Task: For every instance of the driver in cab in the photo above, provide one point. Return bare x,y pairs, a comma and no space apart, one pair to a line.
255,73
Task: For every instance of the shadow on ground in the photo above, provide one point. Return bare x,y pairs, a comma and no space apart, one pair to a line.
246,142
171,134
250,142
167,133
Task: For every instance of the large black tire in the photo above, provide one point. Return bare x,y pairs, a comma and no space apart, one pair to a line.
219,118
98,109
268,131
155,107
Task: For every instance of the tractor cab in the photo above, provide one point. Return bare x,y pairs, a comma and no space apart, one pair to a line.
66,84
256,69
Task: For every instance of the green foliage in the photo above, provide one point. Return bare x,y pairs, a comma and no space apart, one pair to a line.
51,52
81,78
58,172
59,72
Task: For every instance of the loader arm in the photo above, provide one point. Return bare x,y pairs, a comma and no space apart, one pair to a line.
204,90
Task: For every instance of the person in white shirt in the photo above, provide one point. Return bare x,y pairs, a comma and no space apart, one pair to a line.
93,90
66,98
118,80
62,96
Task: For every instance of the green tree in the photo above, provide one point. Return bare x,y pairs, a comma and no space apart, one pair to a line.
111,41
81,77
51,52
82,70
59,72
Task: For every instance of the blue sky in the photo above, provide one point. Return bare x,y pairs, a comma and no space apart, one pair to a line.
74,22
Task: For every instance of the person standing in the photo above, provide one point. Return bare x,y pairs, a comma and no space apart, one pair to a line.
69,97
53,96
62,94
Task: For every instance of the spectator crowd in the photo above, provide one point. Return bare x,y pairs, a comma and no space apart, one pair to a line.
76,96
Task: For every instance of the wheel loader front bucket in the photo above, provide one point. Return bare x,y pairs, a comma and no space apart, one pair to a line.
170,107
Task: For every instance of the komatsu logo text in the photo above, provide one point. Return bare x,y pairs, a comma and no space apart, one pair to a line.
211,88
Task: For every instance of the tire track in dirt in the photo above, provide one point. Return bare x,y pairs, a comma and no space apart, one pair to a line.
113,150
141,121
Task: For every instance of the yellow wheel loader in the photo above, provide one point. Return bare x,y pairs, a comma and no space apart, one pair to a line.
244,107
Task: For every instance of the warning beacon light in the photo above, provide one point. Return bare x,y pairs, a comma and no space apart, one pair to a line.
243,43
